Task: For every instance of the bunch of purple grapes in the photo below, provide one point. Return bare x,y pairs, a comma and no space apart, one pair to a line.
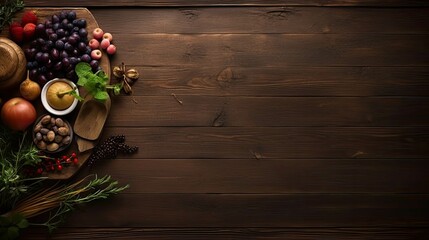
61,43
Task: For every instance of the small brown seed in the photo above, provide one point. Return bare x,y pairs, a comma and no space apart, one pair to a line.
63,131
38,136
59,122
37,128
58,139
55,129
41,145
46,119
44,131
52,147
66,140
50,136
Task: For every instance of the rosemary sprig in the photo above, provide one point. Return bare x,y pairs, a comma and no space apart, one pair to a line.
7,10
65,197
16,153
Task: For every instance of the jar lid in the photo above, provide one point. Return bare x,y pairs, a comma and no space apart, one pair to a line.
12,64
8,61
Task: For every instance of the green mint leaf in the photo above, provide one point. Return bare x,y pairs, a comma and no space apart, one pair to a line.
101,74
117,88
94,84
82,81
77,96
82,69
102,96
23,223
101,83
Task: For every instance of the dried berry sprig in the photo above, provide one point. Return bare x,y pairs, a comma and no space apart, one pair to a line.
52,164
110,148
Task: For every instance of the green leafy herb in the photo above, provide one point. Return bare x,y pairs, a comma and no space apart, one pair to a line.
8,9
16,153
95,83
11,224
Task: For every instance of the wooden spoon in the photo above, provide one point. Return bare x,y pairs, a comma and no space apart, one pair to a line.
91,118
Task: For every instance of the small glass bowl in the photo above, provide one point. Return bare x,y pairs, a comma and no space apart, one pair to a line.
45,101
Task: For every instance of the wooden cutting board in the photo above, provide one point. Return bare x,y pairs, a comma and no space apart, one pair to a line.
43,14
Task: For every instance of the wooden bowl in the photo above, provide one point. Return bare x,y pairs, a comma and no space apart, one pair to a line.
12,65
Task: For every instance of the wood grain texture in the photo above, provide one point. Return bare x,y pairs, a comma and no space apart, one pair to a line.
295,20
297,121
375,233
266,176
277,142
206,111
267,50
255,210
282,81
178,3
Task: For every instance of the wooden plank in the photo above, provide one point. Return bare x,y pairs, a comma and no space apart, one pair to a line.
264,20
282,81
280,50
206,111
269,176
255,210
376,233
175,3
277,142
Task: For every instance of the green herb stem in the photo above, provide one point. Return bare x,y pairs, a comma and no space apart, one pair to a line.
70,92
8,10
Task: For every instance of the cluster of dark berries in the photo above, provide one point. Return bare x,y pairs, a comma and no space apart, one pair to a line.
53,164
110,148
61,43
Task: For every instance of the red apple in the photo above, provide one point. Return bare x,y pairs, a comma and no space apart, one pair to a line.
18,114
108,36
96,54
104,43
97,33
94,44
111,49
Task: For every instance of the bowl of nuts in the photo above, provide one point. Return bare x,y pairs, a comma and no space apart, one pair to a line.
52,134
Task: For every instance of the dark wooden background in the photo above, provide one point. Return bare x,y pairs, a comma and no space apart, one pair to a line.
300,120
